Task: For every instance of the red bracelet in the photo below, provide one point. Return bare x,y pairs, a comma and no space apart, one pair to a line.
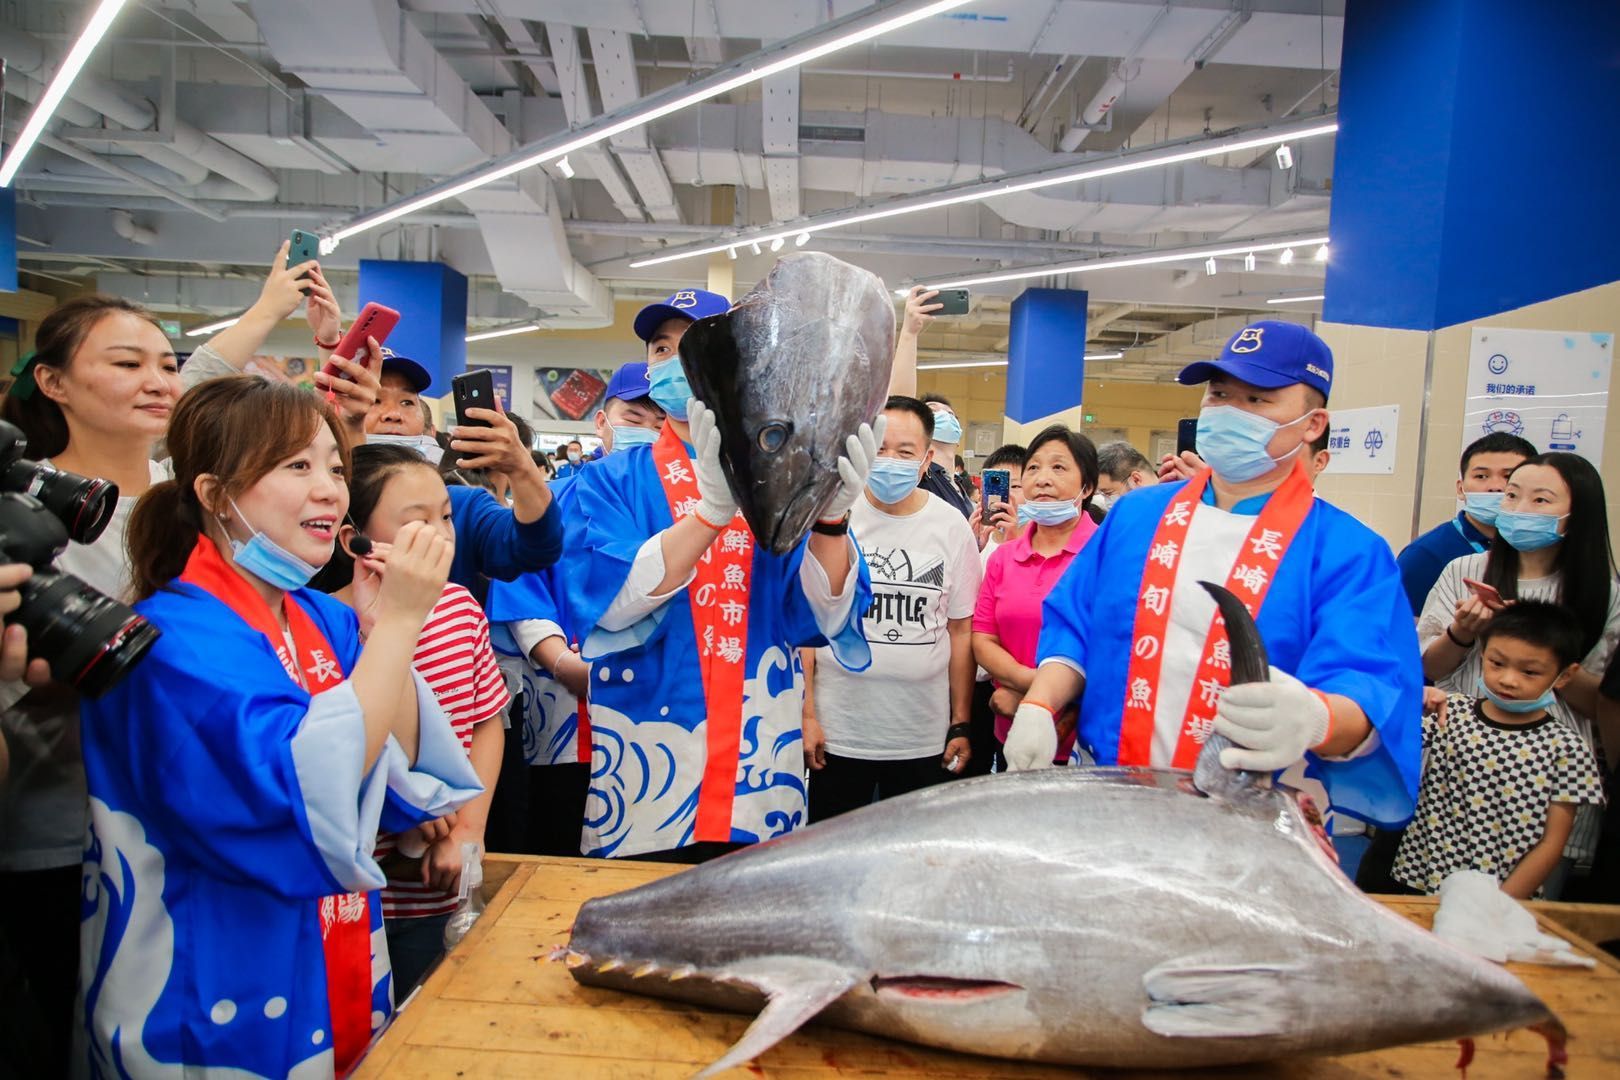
319,344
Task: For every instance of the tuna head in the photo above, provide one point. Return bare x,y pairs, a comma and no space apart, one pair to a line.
791,372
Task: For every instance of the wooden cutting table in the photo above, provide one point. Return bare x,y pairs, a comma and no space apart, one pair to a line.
499,1007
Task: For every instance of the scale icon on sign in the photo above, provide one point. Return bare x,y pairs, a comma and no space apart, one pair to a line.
1563,434
1374,442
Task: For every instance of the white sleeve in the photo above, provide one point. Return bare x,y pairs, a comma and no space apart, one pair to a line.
831,612
636,600
968,576
1441,606
205,364
530,632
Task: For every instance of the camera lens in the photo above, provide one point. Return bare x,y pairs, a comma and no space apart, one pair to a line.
85,504
91,641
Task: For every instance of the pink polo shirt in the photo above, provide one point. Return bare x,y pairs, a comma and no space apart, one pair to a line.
1016,581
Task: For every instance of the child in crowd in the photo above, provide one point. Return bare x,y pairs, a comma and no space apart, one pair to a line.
1502,775
390,486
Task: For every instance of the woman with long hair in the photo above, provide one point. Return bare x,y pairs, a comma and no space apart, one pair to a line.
1552,544
239,773
94,399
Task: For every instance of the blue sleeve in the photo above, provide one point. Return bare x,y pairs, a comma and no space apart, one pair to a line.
607,525
1066,613
528,596
491,542
848,644
1420,569
1363,645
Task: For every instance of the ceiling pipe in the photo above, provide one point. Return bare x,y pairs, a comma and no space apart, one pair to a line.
124,224
127,176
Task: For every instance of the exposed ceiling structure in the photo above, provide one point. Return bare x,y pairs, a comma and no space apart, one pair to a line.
204,129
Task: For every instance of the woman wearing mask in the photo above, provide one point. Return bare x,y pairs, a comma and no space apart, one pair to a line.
238,775
1554,533
94,399
1059,478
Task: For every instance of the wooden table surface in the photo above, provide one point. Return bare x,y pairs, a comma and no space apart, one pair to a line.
499,1007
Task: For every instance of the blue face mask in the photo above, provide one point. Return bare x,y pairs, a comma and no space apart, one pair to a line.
1047,513
1483,506
267,560
1540,704
1528,532
625,436
892,479
667,386
1234,442
947,428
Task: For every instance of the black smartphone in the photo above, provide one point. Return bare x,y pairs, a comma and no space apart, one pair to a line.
1187,436
303,247
954,301
473,390
997,484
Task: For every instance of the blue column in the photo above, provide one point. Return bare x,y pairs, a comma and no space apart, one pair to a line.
1442,213
1046,365
431,300
8,240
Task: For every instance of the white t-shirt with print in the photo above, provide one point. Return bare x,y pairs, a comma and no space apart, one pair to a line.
925,571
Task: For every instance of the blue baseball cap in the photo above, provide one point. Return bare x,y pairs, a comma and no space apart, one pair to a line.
414,373
629,382
1269,354
691,304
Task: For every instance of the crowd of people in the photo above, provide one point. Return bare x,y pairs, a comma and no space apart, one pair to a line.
387,647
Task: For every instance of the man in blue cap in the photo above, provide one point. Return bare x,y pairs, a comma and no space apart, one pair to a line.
628,416
1130,628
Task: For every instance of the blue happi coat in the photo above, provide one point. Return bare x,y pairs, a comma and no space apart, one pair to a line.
1336,618
225,801
648,715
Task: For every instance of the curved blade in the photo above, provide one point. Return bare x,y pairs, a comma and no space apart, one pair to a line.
1249,664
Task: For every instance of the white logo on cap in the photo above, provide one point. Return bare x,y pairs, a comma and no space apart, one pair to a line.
684,299
1248,340
1314,370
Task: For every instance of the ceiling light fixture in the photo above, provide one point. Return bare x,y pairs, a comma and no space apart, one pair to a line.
100,22
731,253
1286,257
209,328
776,245
1249,261
1119,262
755,246
566,169
1003,363
804,238
1173,153
509,331
861,26
1285,157
1209,266
1322,253
1295,299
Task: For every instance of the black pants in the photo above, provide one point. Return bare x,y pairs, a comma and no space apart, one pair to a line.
1377,869
507,828
691,854
845,784
981,731
557,807
39,919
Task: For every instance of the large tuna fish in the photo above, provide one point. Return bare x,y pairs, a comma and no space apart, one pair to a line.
1115,917
790,372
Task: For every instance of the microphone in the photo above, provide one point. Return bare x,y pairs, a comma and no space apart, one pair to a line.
360,545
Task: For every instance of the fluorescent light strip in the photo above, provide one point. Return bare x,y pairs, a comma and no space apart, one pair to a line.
209,328
77,57
526,328
1122,261
1295,299
1147,159
1003,363
642,117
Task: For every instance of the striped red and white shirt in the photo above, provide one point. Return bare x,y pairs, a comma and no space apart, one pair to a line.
455,659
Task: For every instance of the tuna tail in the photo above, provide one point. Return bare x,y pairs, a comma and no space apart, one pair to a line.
1249,664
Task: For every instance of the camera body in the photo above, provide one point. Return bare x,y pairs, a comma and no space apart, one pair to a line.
89,639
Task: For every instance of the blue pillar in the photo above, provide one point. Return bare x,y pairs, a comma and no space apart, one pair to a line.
1441,212
431,300
1046,351
8,240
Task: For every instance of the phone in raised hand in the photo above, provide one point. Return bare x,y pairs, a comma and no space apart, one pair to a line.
1487,594
375,321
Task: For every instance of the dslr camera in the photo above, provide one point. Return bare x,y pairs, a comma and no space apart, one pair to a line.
90,640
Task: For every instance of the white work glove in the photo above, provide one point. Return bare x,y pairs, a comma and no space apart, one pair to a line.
1272,724
1032,740
855,466
716,506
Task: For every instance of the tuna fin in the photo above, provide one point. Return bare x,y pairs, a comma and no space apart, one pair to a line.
797,989
1249,664
1195,1000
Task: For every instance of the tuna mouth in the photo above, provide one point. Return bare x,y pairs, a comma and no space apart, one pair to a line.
941,988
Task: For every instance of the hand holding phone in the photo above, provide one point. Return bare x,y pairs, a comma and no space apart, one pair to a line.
1187,435
952,302
375,321
302,247
474,390
1488,594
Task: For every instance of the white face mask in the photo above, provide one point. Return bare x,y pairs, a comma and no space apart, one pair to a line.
426,445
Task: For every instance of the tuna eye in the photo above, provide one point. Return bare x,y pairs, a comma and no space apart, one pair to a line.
773,436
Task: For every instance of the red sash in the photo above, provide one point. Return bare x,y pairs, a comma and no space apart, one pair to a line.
719,599
1250,579
345,918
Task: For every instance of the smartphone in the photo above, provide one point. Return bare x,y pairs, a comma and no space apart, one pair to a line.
953,301
374,321
997,485
1487,593
304,246
474,390
1187,436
